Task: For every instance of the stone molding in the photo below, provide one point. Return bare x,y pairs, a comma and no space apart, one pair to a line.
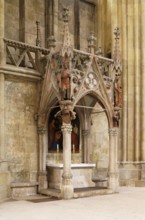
66,128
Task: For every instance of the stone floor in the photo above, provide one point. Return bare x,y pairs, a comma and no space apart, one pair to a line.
128,204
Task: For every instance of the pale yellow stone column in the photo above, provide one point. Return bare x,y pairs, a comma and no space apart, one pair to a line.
2,62
113,181
124,81
2,115
143,80
2,48
55,17
137,80
42,173
67,186
131,80
114,20
85,133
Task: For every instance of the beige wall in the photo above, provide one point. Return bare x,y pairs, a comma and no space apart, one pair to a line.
98,142
12,19
21,140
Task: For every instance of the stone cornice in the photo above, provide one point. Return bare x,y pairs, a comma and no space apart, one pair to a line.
22,45
19,72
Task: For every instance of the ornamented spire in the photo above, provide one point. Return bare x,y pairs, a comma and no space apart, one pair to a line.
116,55
117,80
67,47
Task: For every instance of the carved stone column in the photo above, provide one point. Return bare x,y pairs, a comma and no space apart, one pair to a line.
85,133
124,82
113,181
2,47
143,80
2,132
42,174
2,62
67,186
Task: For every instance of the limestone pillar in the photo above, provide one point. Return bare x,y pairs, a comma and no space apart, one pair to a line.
143,79
2,47
42,173
114,20
85,133
67,186
137,81
2,62
124,81
2,132
113,181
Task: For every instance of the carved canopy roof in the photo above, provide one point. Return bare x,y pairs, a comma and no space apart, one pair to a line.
72,74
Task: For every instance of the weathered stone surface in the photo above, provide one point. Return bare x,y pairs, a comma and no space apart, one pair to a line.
20,128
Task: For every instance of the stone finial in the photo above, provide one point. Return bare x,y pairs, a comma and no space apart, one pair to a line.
65,14
38,41
67,47
116,55
51,42
117,33
99,52
91,42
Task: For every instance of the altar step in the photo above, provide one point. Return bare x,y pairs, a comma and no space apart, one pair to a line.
91,191
78,193
51,192
133,183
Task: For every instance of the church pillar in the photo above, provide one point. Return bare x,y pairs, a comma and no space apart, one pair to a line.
124,81
137,81
85,133
113,181
143,79
2,62
2,47
67,186
114,20
130,80
42,175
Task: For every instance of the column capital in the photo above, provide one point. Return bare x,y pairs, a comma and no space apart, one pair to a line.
113,131
41,130
66,128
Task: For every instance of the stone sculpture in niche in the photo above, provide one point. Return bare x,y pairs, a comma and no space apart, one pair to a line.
118,91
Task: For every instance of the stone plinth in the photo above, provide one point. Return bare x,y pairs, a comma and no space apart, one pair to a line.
82,175
23,189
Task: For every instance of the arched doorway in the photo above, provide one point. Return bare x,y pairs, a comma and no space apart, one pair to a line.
55,137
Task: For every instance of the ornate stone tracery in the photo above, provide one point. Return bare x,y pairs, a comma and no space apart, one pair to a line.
71,75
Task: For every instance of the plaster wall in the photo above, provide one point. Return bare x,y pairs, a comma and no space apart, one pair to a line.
21,140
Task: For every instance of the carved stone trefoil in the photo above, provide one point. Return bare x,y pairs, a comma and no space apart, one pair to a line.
91,82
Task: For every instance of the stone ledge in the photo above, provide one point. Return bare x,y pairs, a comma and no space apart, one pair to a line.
19,190
25,184
23,72
132,183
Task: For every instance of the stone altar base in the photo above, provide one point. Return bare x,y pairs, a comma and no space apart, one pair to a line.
82,175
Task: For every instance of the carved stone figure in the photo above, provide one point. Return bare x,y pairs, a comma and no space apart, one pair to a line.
118,91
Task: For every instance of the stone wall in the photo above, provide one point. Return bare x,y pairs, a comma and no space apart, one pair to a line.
99,142
34,11
20,131
87,23
12,19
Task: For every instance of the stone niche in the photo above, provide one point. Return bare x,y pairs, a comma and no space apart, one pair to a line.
22,140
